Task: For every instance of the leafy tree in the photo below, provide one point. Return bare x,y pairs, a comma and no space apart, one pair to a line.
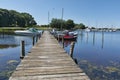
62,24
57,23
69,24
80,26
14,18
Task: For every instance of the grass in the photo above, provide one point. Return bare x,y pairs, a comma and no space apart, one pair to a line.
12,29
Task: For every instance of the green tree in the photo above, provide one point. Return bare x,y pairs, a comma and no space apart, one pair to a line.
69,24
14,18
80,26
57,23
62,24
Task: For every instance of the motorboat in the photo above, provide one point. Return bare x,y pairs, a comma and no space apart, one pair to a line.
75,33
87,30
66,35
30,32
69,37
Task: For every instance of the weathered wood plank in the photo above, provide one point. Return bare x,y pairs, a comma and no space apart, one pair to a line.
74,76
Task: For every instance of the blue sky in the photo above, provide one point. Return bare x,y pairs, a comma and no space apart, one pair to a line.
98,13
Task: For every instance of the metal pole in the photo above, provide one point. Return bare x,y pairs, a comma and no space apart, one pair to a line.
62,18
48,19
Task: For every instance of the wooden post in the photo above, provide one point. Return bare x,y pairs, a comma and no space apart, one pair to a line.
63,41
22,50
33,40
36,38
40,35
75,60
72,48
58,37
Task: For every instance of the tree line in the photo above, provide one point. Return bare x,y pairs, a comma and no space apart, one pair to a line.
12,18
65,24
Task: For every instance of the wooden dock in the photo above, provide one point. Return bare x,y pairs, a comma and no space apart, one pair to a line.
47,60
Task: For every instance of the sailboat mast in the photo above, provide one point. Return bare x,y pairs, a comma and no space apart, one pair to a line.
48,19
62,18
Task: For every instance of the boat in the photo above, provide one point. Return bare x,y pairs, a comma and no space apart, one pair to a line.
65,35
69,37
75,33
29,32
87,30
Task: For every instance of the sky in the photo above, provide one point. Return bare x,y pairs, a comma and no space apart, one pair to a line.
92,13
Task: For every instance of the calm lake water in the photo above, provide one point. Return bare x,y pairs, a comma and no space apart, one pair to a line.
10,53
96,53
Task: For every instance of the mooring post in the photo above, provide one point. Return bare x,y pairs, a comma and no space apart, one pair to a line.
63,41
22,49
40,35
33,40
72,48
58,37
36,38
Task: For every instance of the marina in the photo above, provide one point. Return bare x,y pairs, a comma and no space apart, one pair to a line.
91,49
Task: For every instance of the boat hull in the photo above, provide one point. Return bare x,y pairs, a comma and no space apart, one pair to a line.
26,33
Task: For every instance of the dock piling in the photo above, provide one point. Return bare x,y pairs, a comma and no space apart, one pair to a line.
63,41
22,50
33,40
72,48
36,38
58,38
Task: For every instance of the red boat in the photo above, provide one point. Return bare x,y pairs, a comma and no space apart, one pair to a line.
66,36
69,37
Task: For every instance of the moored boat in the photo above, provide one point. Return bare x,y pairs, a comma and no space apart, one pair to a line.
28,32
66,36
69,37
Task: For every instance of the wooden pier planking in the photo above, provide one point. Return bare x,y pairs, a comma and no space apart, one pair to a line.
47,60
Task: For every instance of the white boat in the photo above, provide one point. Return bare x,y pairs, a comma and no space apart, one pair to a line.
75,33
30,32
87,30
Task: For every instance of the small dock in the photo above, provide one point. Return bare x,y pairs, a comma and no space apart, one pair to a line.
47,60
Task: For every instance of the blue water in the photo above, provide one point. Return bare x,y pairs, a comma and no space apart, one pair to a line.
10,53
94,47
97,48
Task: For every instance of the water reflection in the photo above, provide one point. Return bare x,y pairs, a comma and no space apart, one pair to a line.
7,46
98,54
93,38
15,40
102,40
96,46
93,35
67,43
10,53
